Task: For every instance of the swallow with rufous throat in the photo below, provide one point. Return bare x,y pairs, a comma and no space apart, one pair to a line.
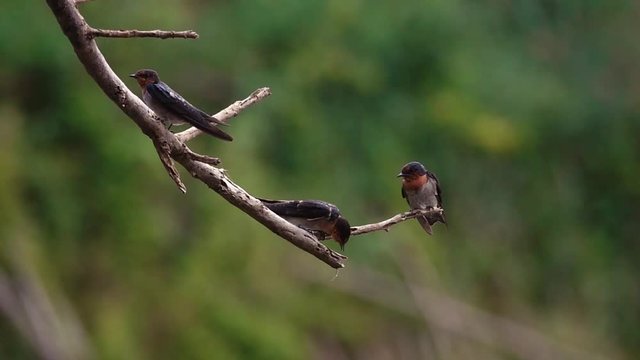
422,190
313,216
172,108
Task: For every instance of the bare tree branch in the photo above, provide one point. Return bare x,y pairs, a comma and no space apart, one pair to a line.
386,224
464,319
160,34
447,313
80,35
47,323
230,112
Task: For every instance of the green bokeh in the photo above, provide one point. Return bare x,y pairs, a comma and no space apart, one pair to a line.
527,111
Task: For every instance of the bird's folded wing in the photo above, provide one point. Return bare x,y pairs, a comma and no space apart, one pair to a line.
438,190
173,102
308,209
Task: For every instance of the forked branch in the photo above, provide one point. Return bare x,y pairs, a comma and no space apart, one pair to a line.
169,146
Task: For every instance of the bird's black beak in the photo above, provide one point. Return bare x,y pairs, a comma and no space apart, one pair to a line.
401,175
132,75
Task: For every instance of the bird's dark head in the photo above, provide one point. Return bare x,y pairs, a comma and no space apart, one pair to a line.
412,170
145,77
341,232
413,175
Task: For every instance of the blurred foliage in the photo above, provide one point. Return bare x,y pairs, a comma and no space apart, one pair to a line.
528,111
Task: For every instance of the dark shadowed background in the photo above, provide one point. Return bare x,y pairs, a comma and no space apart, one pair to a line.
528,111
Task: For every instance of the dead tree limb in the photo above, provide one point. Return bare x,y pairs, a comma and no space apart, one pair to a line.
81,37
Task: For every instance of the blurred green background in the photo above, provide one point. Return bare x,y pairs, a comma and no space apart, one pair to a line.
528,111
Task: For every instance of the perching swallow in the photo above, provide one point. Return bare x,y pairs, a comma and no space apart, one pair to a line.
422,190
173,108
313,216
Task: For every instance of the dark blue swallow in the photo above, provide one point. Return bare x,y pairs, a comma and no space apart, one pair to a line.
313,216
422,190
173,108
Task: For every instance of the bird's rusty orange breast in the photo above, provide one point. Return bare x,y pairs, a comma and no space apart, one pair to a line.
415,182
143,82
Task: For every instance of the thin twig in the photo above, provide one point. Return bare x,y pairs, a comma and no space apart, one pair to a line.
230,112
386,224
160,34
